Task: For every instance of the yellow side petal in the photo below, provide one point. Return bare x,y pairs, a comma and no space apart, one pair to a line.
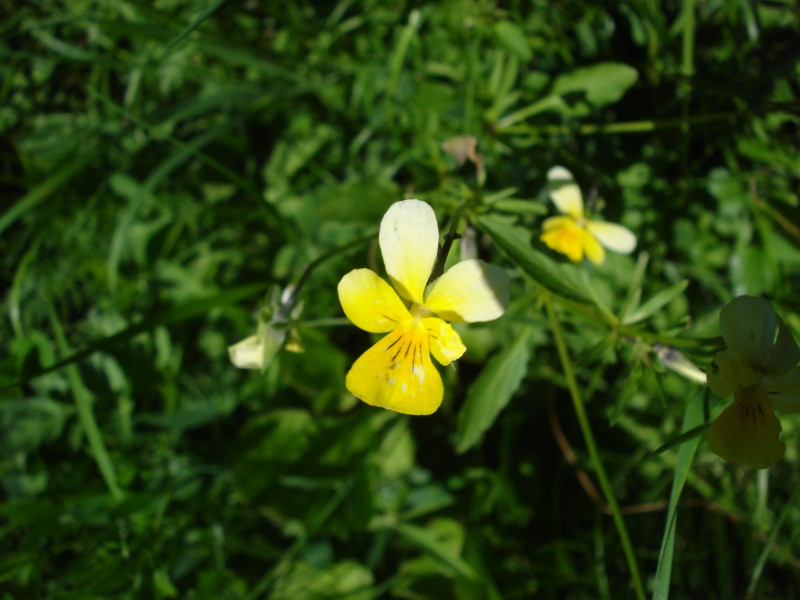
747,431
564,192
727,374
371,303
470,291
409,240
614,237
748,327
783,391
785,354
564,236
594,251
397,373
446,345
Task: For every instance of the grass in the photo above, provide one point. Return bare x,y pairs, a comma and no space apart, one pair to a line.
170,170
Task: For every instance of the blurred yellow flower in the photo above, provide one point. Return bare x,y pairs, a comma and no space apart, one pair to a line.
759,367
573,233
397,372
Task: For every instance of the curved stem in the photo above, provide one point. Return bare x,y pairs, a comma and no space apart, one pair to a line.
451,237
594,455
288,304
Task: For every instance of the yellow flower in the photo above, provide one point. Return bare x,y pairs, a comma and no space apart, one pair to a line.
574,234
759,367
397,372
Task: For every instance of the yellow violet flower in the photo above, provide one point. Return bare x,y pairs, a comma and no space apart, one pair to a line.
397,372
759,367
573,233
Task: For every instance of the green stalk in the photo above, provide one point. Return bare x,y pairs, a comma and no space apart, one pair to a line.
83,406
644,126
286,309
687,69
444,250
594,455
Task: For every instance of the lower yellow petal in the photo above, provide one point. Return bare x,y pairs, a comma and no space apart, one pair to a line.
594,251
397,373
747,431
563,235
446,344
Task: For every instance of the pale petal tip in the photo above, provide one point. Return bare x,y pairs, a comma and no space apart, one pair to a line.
248,353
409,241
471,291
559,174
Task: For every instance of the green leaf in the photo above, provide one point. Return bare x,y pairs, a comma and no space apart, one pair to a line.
427,542
692,420
513,39
656,303
492,391
603,83
560,279
346,579
362,200
27,424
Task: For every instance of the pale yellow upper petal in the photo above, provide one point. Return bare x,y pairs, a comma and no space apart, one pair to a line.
748,327
397,374
564,192
409,241
446,344
747,431
612,236
470,291
371,303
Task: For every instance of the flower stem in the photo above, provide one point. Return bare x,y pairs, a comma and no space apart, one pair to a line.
451,237
588,436
288,304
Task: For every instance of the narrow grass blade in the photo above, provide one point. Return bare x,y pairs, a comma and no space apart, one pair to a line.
193,25
401,49
758,569
138,195
83,404
43,191
692,420
181,312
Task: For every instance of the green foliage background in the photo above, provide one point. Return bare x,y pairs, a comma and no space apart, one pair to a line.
167,168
